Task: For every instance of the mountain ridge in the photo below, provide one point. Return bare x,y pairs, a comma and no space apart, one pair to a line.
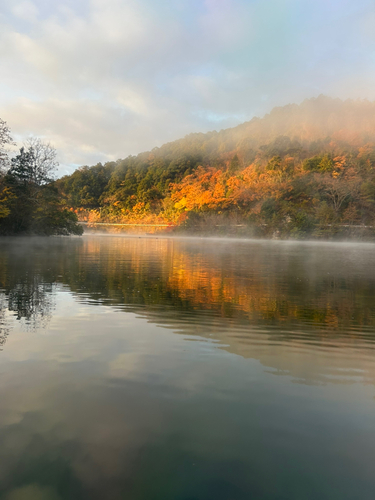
322,143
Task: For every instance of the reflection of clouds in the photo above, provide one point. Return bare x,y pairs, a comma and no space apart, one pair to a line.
97,395
71,402
161,354
125,365
304,357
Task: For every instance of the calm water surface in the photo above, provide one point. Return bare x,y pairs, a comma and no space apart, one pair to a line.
159,369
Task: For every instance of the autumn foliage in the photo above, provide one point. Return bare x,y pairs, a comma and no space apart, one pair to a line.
301,171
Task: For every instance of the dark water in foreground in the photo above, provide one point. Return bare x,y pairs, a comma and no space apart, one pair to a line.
155,369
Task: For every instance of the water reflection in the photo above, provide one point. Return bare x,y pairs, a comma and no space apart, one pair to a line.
252,298
152,369
26,289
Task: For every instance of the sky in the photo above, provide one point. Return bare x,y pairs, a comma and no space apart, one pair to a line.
104,79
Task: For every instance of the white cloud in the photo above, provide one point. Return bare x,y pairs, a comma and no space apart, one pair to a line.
107,78
25,10
33,53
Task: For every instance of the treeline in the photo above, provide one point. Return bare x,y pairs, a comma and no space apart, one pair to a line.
29,200
301,171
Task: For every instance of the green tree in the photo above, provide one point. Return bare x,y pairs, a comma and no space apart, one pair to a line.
29,201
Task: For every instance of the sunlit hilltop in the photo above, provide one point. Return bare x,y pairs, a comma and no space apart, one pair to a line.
301,171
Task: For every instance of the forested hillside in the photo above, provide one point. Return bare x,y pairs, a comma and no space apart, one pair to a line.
303,170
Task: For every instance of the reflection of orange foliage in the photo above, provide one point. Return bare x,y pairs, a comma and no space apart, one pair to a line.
208,287
200,280
205,284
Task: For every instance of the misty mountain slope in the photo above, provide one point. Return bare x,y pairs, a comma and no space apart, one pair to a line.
316,119
301,167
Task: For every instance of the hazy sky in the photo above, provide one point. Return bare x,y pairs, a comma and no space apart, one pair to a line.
102,79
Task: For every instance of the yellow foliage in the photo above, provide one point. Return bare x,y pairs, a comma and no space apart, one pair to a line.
6,197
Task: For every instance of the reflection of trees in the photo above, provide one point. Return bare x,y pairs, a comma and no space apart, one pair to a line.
271,286
268,286
4,330
251,299
32,301
25,290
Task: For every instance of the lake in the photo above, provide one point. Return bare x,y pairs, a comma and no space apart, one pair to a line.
186,369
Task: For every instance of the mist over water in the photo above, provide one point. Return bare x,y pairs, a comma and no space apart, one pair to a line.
149,368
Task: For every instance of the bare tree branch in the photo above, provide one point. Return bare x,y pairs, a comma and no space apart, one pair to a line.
340,189
45,163
5,139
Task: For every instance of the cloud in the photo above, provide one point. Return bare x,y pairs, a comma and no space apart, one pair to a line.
25,10
106,78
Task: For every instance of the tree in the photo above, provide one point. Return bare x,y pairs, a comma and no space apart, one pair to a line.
6,198
234,164
5,139
29,201
44,160
6,194
22,168
36,164
340,190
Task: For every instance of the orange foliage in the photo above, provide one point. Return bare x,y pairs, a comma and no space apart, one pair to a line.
208,188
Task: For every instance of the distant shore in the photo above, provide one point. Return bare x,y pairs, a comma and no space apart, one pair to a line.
342,232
